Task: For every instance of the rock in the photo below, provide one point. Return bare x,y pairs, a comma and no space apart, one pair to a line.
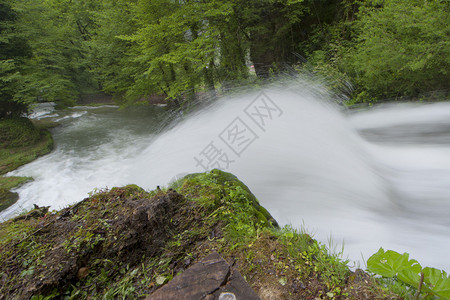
82,273
37,212
211,278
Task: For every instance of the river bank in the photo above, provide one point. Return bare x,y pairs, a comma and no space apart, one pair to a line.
126,242
21,143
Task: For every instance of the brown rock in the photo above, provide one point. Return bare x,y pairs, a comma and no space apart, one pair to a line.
82,273
211,278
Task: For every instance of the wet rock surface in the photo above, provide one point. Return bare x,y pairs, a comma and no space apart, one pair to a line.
211,278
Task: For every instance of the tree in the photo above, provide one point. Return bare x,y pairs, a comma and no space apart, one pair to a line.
55,30
13,50
110,56
191,46
273,32
402,49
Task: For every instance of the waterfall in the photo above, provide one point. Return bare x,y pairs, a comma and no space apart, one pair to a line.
379,177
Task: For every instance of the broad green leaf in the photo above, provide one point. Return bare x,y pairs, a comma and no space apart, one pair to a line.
410,276
389,263
437,281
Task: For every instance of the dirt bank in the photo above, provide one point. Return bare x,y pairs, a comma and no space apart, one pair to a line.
126,242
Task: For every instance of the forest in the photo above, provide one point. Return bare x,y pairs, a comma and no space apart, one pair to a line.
57,50
372,175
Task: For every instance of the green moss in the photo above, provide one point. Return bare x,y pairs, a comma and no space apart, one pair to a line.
224,177
25,148
225,181
129,190
18,132
12,158
7,198
129,242
20,143
12,182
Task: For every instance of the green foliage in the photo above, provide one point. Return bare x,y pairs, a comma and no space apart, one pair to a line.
13,50
57,70
173,48
391,264
111,58
217,212
20,143
44,53
381,50
18,132
56,50
232,202
437,281
11,182
401,49
314,257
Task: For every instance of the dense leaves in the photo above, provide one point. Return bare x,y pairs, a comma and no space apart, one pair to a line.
402,48
13,49
391,264
56,50
388,49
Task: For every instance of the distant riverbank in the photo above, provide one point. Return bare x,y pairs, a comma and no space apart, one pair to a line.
20,143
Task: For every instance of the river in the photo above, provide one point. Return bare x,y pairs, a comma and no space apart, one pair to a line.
366,178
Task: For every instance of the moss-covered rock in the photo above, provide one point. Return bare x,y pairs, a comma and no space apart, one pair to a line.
8,198
126,243
227,181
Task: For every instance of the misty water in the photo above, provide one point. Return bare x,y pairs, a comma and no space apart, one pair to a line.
368,178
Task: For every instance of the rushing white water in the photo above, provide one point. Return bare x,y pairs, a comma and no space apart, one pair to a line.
373,178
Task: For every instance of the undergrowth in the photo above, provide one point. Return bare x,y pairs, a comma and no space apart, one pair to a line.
125,243
20,142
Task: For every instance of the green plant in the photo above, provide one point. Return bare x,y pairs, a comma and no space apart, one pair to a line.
428,281
401,49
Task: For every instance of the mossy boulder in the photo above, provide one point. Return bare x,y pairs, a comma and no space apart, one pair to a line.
126,243
227,182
